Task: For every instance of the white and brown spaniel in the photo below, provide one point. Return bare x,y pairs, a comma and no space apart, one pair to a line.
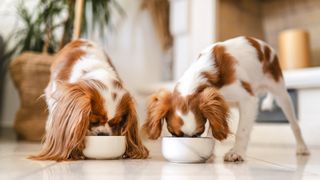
237,70
85,96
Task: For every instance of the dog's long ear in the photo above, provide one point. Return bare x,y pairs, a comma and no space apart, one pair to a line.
129,128
215,109
157,109
64,139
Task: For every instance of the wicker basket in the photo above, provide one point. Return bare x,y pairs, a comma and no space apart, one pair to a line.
30,73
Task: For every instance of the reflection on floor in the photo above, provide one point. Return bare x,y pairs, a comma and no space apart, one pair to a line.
264,161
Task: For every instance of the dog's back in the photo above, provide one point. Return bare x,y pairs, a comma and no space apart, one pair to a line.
245,60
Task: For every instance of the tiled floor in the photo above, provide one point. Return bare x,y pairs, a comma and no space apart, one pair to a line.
263,162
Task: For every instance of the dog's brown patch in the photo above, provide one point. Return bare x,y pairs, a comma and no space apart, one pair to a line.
125,123
215,109
98,114
211,77
66,58
273,68
181,103
267,54
117,84
158,107
98,84
200,88
193,102
68,61
270,65
114,95
247,87
112,66
224,64
174,124
254,43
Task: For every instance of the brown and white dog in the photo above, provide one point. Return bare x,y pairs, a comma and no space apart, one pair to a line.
85,96
237,70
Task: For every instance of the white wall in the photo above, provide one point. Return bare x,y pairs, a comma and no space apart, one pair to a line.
193,26
136,51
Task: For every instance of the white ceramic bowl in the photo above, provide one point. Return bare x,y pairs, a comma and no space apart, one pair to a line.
104,147
187,150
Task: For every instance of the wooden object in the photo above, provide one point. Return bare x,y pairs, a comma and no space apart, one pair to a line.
78,19
294,49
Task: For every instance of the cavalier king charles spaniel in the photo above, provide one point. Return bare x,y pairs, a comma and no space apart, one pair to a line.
238,70
85,96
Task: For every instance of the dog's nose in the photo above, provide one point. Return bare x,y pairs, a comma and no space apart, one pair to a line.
103,134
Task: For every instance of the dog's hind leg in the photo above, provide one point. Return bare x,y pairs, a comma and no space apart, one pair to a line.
283,99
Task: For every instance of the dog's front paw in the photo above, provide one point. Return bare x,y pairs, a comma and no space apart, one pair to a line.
302,151
233,156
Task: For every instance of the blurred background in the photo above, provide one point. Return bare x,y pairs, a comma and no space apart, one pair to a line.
151,43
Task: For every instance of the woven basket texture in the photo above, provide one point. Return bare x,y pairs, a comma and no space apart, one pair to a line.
31,73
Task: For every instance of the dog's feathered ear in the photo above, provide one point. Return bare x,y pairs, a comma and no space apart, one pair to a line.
157,109
64,139
215,109
135,149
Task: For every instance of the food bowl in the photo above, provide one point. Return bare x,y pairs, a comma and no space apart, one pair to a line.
187,149
104,147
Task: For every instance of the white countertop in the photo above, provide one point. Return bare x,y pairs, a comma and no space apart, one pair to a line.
302,78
